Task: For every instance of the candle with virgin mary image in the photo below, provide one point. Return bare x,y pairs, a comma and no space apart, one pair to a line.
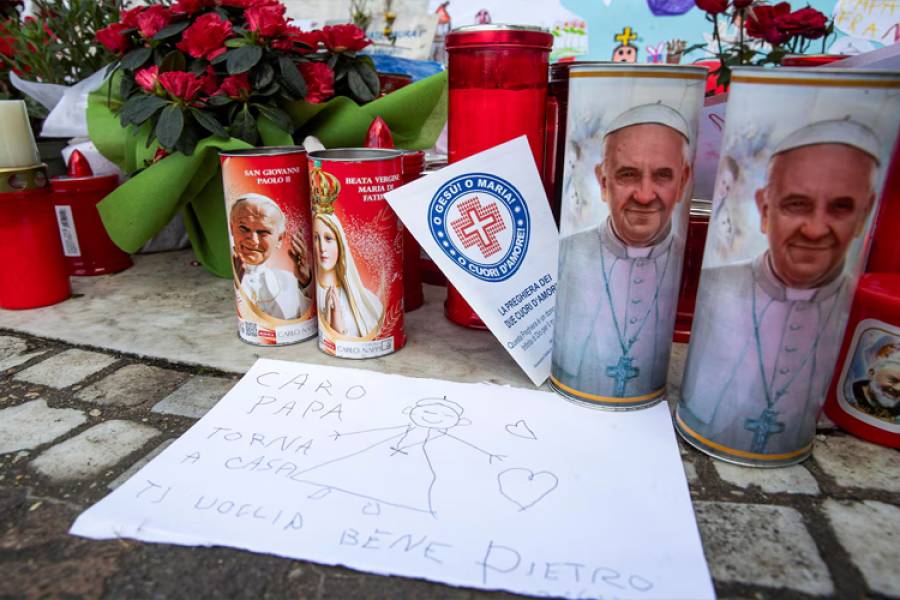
772,309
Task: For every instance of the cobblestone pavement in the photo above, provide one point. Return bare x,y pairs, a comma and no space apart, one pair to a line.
75,423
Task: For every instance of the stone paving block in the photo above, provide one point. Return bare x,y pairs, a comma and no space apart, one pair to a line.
790,480
195,397
690,471
29,425
761,545
66,368
858,464
93,451
13,352
139,465
132,385
870,532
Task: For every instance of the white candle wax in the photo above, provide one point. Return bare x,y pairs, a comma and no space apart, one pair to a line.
17,147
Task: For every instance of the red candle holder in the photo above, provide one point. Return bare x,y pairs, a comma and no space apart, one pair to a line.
698,225
810,60
413,163
86,244
498,92
34,273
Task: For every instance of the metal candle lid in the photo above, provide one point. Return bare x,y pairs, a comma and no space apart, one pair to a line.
492,35
355,154
21,179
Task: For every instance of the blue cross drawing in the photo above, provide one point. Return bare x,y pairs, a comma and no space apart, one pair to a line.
763,428
622,372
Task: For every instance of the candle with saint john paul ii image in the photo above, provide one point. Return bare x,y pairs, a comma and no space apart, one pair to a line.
800,175
631,133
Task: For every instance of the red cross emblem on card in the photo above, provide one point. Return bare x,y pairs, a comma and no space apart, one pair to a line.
479,225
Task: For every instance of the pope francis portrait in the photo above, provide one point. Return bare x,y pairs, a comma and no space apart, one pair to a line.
768,330
615,310
258,229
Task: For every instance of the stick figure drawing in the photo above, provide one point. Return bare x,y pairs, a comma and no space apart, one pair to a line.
403,455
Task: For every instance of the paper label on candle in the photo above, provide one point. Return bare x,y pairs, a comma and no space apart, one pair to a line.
486,223
67,232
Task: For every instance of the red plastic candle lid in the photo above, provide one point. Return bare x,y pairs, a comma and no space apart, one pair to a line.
495,34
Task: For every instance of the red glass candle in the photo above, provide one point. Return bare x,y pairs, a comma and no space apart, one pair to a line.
884,256
413,163
86,245
34,273
810,60
498,92
698,225
864,396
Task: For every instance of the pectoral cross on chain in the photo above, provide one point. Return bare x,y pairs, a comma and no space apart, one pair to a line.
763,428
622,372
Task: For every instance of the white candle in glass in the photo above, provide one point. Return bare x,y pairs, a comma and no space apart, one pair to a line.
17,147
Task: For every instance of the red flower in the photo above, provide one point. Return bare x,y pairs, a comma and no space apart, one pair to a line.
762,22
128,18
713,7
805,22
190,7
209,82
344,38
206,36
740,4
319,81
246,3
113,38
181,85
267,21
147,78
301,42
154,18
235,86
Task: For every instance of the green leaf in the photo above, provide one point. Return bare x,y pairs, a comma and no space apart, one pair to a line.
208,122
170,126
244,127
277,116
220,58
140,108
136,58
262,76
237,42
173,61
187,143
219,100
241,60
269,90
171,30
291,77
369,76
358,87
198,67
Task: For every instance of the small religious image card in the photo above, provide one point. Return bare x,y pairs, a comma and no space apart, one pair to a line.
802,167
631,139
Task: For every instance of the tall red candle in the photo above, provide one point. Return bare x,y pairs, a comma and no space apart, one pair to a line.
498,92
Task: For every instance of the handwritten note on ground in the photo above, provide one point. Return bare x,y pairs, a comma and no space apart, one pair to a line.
470,485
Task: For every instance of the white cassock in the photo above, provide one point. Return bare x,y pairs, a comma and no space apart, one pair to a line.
275,292
615,313
761,358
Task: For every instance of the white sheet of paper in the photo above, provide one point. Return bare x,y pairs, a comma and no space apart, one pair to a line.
468,484
486,223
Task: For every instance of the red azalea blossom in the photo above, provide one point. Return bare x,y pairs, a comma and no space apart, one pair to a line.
153,19
740,4
160,154
301,42
713,7
113,38
319,81
235,86
267,21
147,78
190,7
205,38
181,85
762,22
246,3
128,18
344,38
209,81
805,22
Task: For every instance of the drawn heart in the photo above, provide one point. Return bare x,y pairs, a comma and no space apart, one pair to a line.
521,429
371,508
718,121
524,487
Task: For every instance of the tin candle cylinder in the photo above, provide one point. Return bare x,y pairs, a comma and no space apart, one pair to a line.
358,248
270,233
810,148
86,244
34,273
622,233
498,92
864,397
